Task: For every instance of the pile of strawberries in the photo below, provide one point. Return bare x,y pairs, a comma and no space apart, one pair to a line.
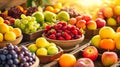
62,31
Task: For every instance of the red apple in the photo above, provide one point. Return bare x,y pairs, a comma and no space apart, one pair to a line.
6,21
86,17
90,52
109,58
100,22
118,19
84,62
81,24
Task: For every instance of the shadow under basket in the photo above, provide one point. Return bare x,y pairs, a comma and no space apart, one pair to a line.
32,36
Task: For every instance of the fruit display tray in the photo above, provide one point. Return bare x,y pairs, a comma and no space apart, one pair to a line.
78,54
32,36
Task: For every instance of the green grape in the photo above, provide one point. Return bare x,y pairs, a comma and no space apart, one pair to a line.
29,18
30,23
33,30
33,18
16,23
22,26
27,31
31,27
37,25
24,21
23,16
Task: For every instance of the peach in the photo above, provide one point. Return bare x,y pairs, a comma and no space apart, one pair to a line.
108,12
92,25
109,58
116,10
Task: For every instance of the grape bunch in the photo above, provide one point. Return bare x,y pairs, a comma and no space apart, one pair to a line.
31,10
72,12
13,56
15,12
27,24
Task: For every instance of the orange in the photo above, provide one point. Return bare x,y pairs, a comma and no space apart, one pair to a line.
118,29
21,8
56,10
49,8
58,5
6,12
67,60
107,44
17,32
10,28
72,21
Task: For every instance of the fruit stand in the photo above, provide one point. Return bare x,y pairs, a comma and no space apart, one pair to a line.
57,33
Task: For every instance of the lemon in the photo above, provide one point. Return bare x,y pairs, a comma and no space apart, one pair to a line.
1,20
41,51
32,48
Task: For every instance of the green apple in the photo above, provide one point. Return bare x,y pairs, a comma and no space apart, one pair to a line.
63,16
39,17
32,48
111,22
52,50
117,40
41,42
50,44
96,40
49,16
41,51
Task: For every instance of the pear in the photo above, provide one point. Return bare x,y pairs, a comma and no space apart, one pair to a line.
49,16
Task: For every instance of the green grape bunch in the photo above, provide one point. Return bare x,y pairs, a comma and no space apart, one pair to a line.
27,24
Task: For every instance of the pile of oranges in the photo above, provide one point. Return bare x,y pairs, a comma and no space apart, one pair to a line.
8,33
55,8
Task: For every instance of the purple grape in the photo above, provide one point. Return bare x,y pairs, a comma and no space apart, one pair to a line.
1,51
12,52
0,61
31,10
2,57
1,65
9,56
30,59
23,60
3,62
26,64
24,48
16,61
21,65
5,52
6,65
14,56
10,61
30,63
16,48
13,65
10,46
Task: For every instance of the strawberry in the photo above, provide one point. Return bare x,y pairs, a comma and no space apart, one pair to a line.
52,36
67,36
61,38
48,27
53,31
75,32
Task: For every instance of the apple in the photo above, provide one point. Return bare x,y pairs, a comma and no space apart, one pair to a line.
95,41
118,19
109,58
86,17
108,12
90,52
116,10
100,22
63,16
39,17
116,39
52,50
49,16
91,25
106,32
111,22
32,48
84,62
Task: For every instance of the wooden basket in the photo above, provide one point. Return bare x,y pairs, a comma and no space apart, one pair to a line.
15,42
36,64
